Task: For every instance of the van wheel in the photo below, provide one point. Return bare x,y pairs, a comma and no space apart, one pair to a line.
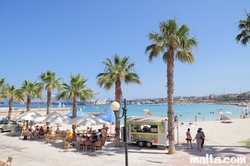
148,144
1,130
140,143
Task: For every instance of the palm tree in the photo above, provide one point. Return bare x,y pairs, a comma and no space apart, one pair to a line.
31,90
2,81
10,92
2,85
49,78
116,71
2,89
244,26
173,43
74,90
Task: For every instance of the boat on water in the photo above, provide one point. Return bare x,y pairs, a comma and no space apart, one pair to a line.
61,105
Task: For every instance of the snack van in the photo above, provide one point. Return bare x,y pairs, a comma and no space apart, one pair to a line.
147,131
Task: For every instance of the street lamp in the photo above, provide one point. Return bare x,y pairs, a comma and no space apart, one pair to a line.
115,106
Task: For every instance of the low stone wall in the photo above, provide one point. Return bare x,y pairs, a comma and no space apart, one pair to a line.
43,111
18,111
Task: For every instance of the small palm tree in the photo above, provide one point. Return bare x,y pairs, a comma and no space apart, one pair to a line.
74,90
117,71
2,81
31,90
174,44
10,92
2,89
51,83
2,86
244,26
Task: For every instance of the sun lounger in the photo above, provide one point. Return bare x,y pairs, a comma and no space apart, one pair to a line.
226,121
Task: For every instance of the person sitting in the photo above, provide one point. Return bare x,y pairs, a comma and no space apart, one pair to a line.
24,126
78,138
25,134
47,130
30,129
94,139
57,130
41,132
16,131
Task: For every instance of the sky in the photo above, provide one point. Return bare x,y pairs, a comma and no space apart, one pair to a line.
77,36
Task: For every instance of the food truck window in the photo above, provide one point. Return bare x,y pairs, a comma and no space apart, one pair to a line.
146,128
136,128
154,126
154,129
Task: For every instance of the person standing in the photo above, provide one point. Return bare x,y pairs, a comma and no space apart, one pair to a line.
104,134
203,137
198,139
189,139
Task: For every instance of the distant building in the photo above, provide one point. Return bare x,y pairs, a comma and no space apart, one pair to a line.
212,96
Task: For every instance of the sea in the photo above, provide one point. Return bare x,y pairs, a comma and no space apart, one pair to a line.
184,112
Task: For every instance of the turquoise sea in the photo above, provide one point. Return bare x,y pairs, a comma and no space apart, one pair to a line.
185,112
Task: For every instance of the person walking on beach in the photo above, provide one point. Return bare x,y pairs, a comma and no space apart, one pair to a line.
198,139
203,138
189,139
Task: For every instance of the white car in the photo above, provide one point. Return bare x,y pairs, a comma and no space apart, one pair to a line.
7,125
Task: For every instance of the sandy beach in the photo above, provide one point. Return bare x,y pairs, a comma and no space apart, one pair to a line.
218,133
39,152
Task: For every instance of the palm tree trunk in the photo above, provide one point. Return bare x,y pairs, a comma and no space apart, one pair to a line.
74,115
170,91
10,108
74,107
28,103
28,109
118,94
48,101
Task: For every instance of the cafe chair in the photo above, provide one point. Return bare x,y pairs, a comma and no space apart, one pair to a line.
80,145
47,138
98,145
67,145
88,145
57,137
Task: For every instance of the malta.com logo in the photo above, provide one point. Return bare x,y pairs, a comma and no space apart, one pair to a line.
209,159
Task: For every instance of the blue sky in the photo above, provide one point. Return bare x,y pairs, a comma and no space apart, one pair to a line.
76,36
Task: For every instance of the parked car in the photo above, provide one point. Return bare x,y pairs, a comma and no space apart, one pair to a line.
8,125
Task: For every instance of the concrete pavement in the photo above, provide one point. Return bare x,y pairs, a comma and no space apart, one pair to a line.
38,152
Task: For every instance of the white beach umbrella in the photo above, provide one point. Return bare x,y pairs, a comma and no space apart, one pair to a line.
28,115
87,120
228,112
53,117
